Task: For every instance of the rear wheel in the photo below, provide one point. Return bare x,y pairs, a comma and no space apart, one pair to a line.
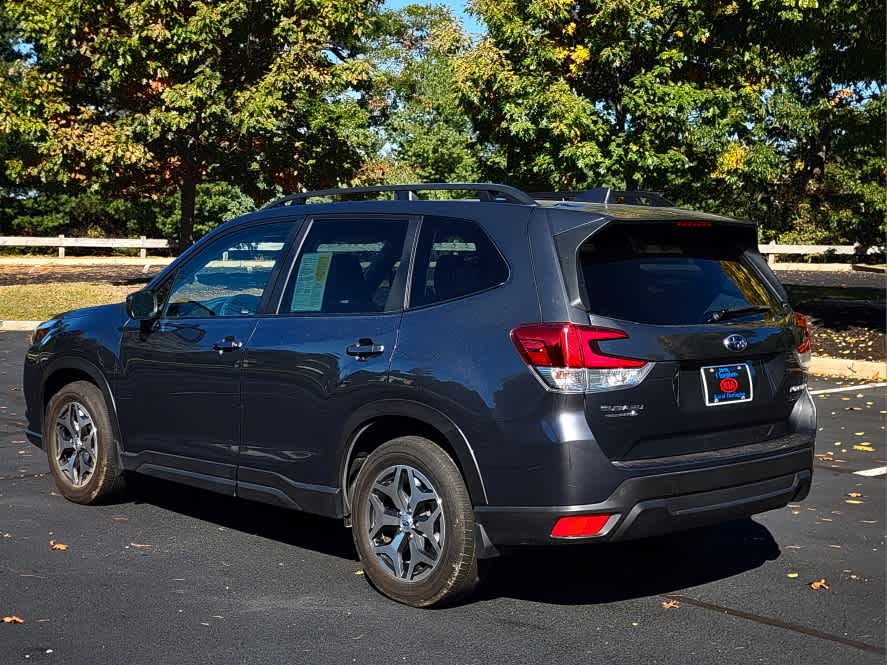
80,444
413,524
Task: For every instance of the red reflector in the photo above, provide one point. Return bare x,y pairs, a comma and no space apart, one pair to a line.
693,224
568,345
804,325
579,526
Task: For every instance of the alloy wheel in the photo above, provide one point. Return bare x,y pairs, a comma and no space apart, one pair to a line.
76,443
406,525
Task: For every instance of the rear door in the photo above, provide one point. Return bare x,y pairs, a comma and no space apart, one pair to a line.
694,298
324,353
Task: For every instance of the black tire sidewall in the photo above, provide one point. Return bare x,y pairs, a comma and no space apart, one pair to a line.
448,580
106,470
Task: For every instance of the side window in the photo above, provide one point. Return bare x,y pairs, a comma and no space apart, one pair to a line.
228,276
346,267
454,258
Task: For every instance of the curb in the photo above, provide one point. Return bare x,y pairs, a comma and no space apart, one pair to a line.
848,369
827,267
19,326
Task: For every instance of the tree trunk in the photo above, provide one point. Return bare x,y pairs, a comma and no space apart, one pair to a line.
188,195
632,182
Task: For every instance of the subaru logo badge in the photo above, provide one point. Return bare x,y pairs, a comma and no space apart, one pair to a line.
736,343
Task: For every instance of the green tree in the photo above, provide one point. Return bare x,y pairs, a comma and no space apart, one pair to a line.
767,108
152,96
424,133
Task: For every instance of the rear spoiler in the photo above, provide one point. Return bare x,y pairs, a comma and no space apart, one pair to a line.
606,196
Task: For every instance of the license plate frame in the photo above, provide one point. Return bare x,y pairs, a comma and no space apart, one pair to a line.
715,395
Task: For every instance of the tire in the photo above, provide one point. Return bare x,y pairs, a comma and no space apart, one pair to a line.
80,445
453,572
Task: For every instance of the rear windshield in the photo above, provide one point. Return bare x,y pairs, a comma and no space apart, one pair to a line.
668,275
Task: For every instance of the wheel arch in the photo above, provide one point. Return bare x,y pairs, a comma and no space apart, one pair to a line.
63,371
370,426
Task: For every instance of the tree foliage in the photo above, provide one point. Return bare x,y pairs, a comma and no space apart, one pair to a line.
754,107
423,127
170,115
156,95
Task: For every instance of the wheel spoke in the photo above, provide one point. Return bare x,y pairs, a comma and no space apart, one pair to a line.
425,525
68,467
73,419
391,553
380,517
417,495
417,557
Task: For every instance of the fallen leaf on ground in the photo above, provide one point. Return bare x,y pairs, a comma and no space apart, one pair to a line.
859,433
854,495
13,619
138,545
816,585
791,575
359,572
869,521
863,447
837,547
59,547
854,502
671,604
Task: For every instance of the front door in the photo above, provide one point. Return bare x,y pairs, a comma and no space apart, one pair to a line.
179,387
326,352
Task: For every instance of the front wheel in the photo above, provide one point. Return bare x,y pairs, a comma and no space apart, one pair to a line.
80,444
413,524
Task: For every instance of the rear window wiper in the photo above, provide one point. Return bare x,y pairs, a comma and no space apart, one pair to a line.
724,314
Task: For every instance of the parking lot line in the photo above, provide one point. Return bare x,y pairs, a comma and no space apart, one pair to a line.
847,389
872,473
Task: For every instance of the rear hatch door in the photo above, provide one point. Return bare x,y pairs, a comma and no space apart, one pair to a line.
696,300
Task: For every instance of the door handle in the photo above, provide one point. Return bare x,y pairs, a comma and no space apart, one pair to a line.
229,343
364,349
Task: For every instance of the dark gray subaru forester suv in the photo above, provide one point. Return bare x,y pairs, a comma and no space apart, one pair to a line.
450,377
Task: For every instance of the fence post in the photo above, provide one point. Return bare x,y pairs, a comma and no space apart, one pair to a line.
61,245
771,257
143,253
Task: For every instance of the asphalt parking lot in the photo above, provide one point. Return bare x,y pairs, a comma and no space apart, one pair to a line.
174,575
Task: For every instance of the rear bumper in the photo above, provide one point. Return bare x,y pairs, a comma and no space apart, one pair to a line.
661,503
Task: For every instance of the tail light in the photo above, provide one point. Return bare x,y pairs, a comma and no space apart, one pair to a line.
566,357
806,346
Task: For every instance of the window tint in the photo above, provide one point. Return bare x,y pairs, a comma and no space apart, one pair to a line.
454,258
664,275
229,276
346,267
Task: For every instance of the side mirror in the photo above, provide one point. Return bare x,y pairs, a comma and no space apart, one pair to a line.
142,305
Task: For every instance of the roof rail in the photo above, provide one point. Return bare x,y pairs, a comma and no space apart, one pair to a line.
485,191
606,196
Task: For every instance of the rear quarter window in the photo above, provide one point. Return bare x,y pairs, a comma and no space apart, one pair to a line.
454,258
666,275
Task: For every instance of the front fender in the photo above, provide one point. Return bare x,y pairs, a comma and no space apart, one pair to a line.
68,364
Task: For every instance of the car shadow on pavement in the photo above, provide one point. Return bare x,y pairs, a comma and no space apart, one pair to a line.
604,573
291,527
564,575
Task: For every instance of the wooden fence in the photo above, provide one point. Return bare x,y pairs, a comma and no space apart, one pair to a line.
141,243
